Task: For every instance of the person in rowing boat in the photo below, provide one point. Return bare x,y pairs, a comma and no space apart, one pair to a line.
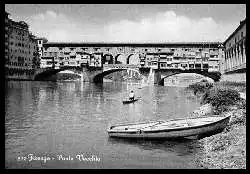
131,95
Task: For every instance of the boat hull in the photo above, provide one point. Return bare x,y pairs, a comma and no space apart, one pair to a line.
129,101
183,132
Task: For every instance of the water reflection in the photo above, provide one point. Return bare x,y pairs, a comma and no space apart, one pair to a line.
180,146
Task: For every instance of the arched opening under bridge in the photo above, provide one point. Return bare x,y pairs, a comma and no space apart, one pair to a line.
183,79
99,77
46,74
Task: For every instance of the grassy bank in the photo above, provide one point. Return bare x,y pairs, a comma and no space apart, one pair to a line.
226,149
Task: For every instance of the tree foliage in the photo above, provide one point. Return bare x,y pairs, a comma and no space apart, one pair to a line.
221,98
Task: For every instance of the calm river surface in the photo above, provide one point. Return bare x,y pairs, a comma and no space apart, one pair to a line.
65,121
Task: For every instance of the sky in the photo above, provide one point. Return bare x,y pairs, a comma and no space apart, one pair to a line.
138,23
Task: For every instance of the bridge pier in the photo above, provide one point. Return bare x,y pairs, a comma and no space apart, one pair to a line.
89,74
157,76
153,76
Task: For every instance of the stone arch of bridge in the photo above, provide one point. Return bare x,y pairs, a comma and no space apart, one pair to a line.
45,73
213,75
98,78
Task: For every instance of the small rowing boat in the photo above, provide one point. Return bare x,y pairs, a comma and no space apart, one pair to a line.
129,101
176,128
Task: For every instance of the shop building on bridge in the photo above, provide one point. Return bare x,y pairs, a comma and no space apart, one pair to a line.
192,55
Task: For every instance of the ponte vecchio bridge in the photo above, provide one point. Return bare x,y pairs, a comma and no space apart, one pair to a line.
92,61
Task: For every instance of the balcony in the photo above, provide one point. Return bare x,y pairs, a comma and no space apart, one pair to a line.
163,56
214,58
163,60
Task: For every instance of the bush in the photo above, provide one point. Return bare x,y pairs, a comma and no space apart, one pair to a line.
201,86
242,104
221,98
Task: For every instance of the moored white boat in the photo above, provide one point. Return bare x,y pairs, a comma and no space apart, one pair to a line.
176,128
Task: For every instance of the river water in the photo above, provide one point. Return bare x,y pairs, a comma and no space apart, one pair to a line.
64,121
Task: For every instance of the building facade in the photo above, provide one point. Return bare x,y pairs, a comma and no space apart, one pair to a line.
234,62
198,55
6,37
21,57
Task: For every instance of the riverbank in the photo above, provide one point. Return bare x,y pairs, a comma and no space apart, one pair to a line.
226,150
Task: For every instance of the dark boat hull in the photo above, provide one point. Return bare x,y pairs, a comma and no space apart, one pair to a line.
129,101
